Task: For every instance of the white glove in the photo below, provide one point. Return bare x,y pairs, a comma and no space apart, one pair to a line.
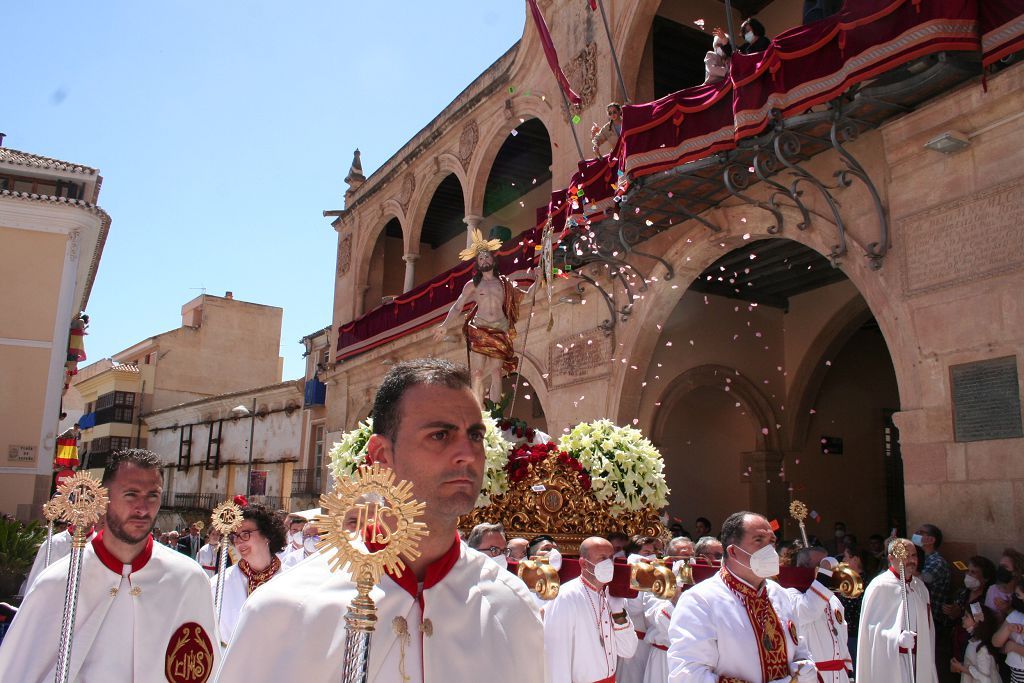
907,640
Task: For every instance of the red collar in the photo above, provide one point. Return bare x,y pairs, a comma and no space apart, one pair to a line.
896,573
436,571
115,565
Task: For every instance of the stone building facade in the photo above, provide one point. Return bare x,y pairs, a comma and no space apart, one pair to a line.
882,390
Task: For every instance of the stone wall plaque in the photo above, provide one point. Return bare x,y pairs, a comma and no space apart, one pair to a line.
21,453
972,238
986,400
579,356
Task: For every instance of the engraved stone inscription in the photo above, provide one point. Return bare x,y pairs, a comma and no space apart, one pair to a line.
986,400
969,239
579,355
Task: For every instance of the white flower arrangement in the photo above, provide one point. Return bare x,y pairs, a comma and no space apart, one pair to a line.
349,453
626,470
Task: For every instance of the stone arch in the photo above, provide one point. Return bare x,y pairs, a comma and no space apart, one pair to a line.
810,374
690,258
364,252
636,21
444,164
496,134
740,387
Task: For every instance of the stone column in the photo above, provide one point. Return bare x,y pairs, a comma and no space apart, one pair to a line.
472,223
768,493
410,270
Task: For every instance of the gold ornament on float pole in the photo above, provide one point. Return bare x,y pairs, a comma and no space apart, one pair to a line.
226,519
382,533
80,501
798,511
52,514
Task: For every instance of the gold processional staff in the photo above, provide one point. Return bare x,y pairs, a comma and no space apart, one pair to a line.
80,502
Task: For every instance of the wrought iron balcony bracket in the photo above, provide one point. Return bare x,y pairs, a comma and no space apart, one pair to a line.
736,178
845,130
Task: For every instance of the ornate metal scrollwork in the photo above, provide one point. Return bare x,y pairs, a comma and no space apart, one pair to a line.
766,165
845,130
787,149
630,234
736,177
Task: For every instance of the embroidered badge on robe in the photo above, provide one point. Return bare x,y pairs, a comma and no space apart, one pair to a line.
792,632
839,616
189,655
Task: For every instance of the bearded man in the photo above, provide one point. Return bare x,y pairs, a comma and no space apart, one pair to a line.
144,610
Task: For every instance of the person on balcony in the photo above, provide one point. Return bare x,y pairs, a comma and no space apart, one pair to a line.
610,131
490,325
755,38
716,64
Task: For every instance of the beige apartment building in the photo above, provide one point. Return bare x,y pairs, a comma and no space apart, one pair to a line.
224,345
52,234
828,310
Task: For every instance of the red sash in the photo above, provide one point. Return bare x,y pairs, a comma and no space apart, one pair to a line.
660,647
768,632
832,665
610,679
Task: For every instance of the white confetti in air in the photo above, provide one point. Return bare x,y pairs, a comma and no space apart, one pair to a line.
515,132
691,342
636,420
746,236
753,256
813,411
828,363
743,220
699,22
526,396
668,343
764,430
649,222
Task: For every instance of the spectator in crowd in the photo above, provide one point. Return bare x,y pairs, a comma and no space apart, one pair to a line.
172,540
754,35
788,551
190,543
874,560
517,548
979,576
815,10
836,544
490,540
541,545
644,546
619,542
1010,636
978,664
703,527
716,64
709,551
208,554
1008,577
935,572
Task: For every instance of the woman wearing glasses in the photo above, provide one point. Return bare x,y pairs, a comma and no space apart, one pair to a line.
256,543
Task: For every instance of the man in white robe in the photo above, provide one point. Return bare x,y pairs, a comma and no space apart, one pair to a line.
452,615
60,546
209,554
658,613
821,618
888,651
737,625
585,629
144,610
631,669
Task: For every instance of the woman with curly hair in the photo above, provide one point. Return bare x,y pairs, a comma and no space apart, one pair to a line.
256,542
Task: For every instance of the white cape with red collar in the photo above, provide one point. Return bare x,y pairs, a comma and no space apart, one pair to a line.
134,633
882,621
477,623
60,546
236,592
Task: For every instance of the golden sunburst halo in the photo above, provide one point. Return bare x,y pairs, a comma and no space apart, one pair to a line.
51,508
80,501
798,511
226,517
386,515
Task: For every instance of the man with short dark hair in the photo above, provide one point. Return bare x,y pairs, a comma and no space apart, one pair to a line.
451,615
620,542
190,543
586,630
139,603
703,526
737,625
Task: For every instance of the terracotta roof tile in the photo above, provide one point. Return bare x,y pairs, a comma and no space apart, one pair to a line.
19,158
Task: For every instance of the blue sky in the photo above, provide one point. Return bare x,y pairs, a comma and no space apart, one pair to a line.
224,129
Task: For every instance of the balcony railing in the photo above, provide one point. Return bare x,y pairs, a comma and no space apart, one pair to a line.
198,501
305,482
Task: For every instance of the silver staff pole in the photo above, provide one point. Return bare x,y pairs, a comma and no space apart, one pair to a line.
83,502
226,519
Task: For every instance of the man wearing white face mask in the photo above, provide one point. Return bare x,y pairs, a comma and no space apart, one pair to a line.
585,629
737,625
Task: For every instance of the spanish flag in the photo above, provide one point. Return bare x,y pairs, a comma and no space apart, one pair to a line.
67,452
